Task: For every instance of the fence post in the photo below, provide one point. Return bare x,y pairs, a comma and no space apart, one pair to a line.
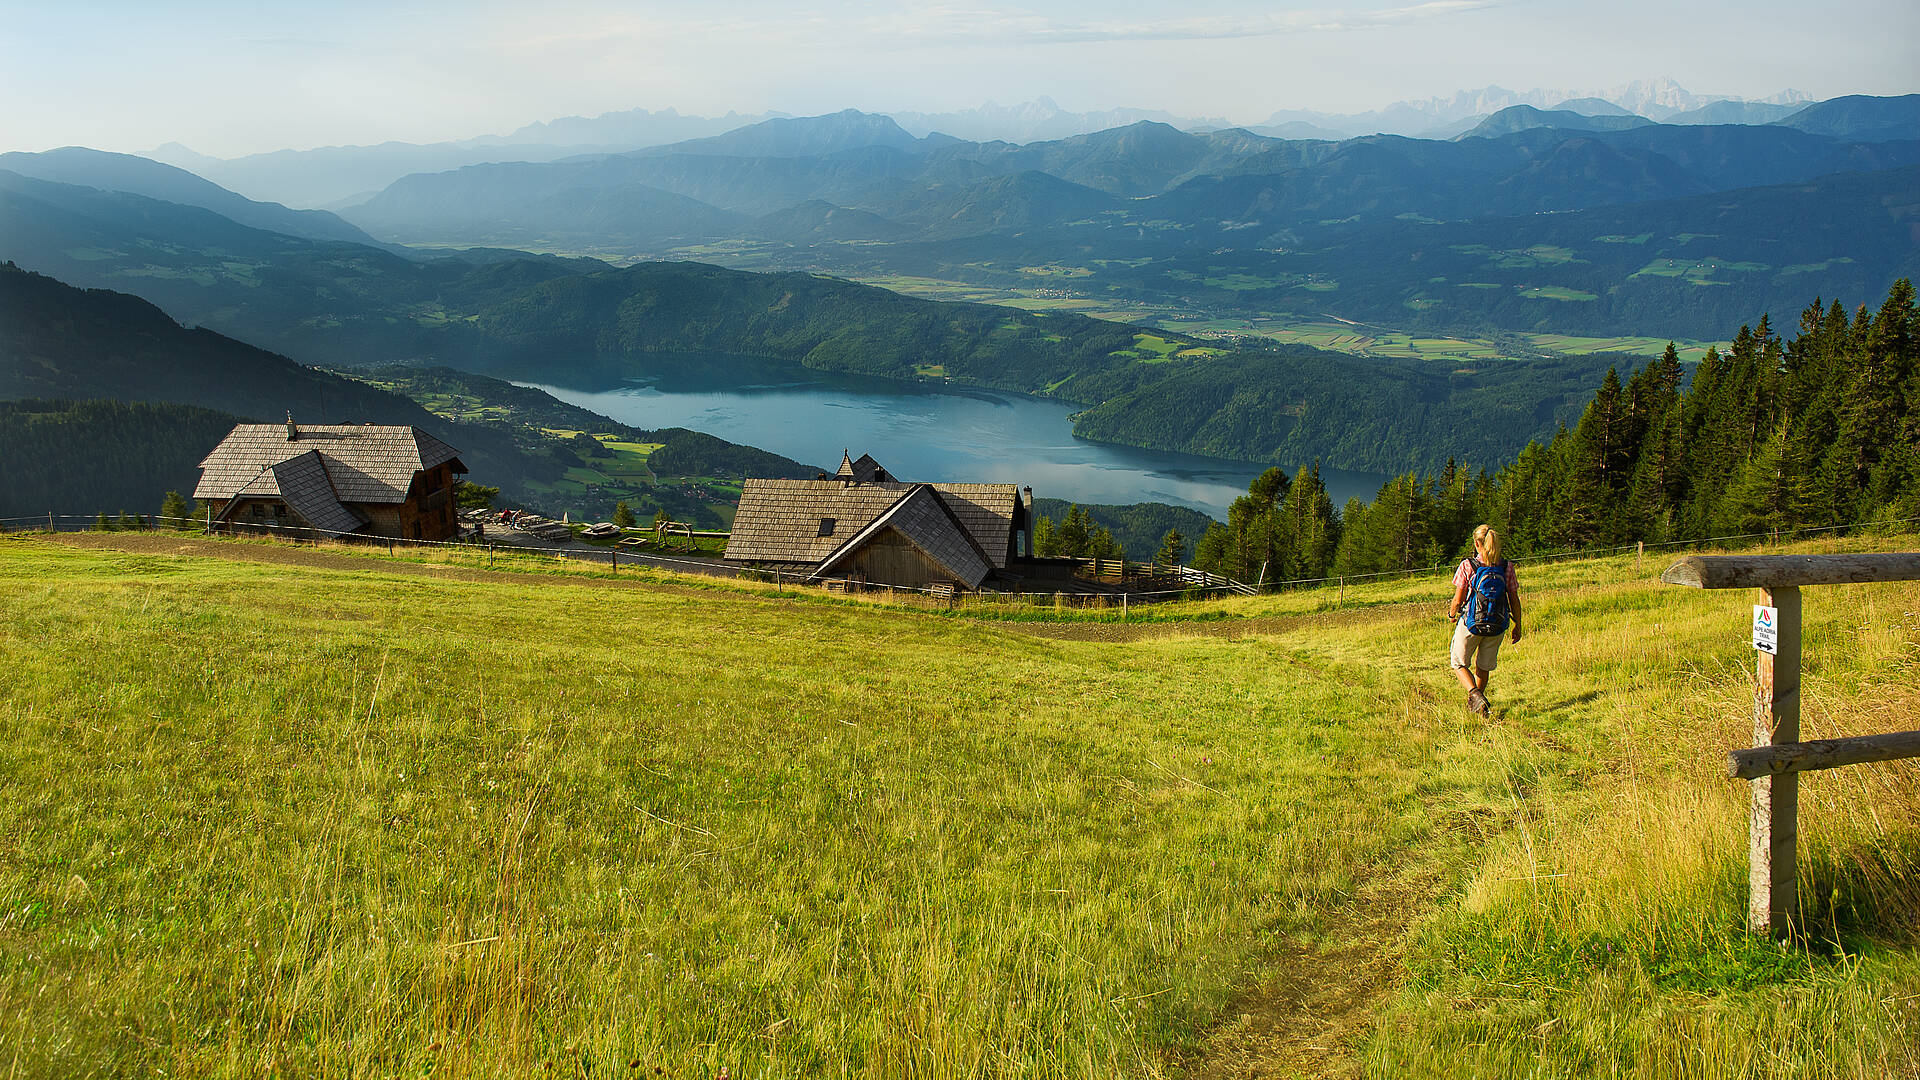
1639,554
1773,835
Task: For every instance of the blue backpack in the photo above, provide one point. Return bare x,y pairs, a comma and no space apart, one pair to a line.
1486,613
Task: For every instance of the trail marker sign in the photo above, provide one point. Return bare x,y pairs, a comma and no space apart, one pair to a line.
1766,629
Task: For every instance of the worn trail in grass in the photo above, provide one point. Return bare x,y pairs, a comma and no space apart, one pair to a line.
358,817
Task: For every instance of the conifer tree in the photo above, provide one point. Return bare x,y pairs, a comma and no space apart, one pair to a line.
1074,534
1311,530
174,511
1045,544
1173,549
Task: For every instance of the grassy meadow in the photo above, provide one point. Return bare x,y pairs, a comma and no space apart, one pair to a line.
272,813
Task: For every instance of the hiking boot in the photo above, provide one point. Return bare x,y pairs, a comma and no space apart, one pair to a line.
1477,701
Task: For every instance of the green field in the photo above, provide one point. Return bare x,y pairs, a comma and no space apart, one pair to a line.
1322,333
1338,337
1555,292
280,811
1690,351
1705,270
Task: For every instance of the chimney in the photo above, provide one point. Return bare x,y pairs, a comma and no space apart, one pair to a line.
292,432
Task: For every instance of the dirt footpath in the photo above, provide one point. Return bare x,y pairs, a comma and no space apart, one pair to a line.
1300,1024
1230,629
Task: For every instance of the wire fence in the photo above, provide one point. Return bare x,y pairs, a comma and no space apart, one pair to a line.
1193,584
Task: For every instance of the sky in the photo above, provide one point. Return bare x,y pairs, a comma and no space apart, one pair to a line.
229,78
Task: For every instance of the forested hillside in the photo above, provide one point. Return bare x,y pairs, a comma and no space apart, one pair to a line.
62,343
111,457
1096,530
1536,221
1776,433
584,322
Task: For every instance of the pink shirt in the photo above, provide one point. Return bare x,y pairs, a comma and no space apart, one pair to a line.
1464,575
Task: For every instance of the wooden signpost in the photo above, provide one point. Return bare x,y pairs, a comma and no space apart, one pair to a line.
1778,756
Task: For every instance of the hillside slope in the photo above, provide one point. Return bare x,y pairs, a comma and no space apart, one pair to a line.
888,841
59,342
140,176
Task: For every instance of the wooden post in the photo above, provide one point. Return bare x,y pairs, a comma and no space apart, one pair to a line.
1639,554
1342,602
1773,900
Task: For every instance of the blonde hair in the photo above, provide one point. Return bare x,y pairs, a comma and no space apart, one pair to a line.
1487,543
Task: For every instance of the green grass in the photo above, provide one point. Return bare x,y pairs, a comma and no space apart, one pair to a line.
1703,270
1643,346
383,819
1152,348
1538,255
1555,292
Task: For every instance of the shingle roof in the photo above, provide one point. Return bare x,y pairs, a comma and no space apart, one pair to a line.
987,512
364,463
304,485
864,471
926,522
779,521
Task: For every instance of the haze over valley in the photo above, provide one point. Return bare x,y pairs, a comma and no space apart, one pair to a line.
909,540
1249,281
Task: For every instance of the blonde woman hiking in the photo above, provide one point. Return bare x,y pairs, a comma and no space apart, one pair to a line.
1486,599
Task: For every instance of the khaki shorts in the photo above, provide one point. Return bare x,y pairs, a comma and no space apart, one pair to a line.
1474,651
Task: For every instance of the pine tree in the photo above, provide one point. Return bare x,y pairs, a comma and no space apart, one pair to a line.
1210,553
1173,549
623,515
1074,534
1310,528
174,511
1045,544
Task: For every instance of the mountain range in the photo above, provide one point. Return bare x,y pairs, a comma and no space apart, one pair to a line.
1535,221
327,177
1226,223
585,323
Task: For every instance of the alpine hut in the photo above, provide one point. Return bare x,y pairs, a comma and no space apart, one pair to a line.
861,524
332,480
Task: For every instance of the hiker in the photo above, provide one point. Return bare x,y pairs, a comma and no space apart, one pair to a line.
1486,599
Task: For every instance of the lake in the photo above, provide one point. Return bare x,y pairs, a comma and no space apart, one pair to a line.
922,434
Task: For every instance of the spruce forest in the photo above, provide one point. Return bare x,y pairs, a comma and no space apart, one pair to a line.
1774,434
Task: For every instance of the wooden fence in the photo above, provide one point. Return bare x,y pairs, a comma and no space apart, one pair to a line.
1778,756
1157,572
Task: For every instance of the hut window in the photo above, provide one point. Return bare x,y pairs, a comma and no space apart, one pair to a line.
826,526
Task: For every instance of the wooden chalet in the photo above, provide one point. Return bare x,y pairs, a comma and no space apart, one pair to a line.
861,524
333,480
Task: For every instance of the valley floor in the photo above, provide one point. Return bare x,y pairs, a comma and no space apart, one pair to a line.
278,810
